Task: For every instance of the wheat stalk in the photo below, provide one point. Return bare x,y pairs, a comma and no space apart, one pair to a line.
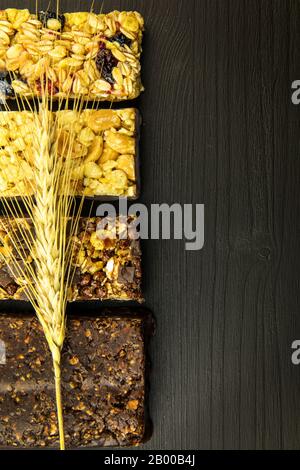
54,222
50,220
55,219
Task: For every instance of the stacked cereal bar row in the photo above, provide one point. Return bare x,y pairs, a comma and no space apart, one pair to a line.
95,56
106,267
104,151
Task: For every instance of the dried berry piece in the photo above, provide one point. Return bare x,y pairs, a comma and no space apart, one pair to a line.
47,86
5,89
3,74
45,18
105,63
121,39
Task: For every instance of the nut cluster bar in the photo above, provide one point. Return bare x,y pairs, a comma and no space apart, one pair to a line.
103,145
82,54
106,267
103,382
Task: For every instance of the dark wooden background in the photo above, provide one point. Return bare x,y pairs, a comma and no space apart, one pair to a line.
220,129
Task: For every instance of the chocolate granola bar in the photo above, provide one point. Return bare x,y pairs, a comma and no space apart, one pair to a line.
106,268
104,151
103,383
72,54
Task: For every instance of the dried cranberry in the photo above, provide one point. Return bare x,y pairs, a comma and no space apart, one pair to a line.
47,86
105,63
121,39
52,89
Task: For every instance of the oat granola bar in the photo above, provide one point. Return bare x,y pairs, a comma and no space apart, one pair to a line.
104,151
72,54
103,382
106,268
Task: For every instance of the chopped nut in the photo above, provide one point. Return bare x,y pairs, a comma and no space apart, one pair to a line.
133,405
53,429
74,361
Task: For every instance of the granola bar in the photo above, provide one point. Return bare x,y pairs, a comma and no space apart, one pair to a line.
72,54
104,150
106,268
103,382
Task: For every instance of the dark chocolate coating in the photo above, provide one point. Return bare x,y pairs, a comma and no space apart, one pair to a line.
103,383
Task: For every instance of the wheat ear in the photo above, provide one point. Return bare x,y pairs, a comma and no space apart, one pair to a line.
55,218
50,219
54,222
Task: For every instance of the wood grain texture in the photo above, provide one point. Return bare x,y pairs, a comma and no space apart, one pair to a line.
220,129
